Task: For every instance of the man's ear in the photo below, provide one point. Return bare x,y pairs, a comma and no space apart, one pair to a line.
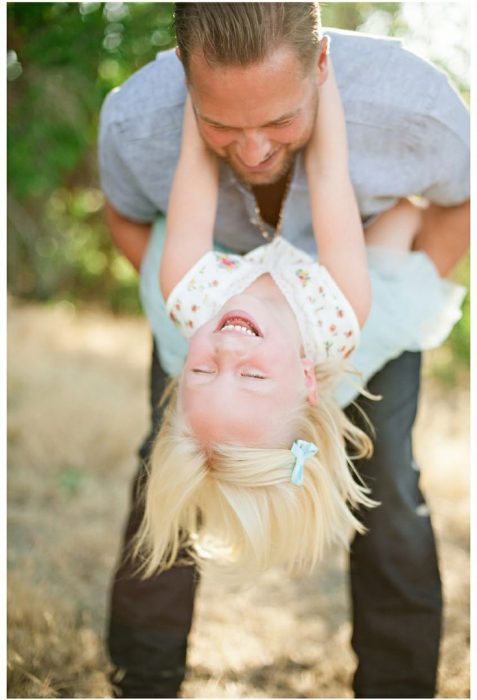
178,54
322,62
310,381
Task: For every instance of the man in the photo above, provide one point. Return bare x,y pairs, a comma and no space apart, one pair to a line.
408,134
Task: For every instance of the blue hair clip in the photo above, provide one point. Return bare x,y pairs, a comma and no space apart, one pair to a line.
301,450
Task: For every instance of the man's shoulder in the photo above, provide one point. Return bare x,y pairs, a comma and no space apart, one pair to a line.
346,38
153,94
379,70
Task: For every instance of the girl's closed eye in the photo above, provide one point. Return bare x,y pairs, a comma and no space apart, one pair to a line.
252,374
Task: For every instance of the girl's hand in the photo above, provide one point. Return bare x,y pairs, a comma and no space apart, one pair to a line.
323,99
190,131
327,149
192,142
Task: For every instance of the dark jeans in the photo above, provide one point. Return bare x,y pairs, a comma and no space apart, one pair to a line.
395,584
394,574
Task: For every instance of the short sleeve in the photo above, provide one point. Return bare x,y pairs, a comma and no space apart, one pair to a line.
445,147
328,324
118,182
214,278
335,318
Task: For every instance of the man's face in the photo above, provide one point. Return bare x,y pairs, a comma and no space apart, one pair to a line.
255,117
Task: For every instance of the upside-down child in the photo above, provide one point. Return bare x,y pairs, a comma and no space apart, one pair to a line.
252,466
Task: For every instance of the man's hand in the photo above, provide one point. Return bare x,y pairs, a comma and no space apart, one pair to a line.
444,235
131,237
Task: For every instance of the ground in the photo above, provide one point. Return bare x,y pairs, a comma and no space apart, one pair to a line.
77,409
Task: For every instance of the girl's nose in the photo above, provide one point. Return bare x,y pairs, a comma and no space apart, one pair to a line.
231,345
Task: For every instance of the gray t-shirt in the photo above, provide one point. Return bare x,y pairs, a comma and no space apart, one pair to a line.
408,133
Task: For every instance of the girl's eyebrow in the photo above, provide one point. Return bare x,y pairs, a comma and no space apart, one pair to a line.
213,122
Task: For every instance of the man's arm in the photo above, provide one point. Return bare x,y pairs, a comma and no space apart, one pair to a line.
444,138
131,237
444,235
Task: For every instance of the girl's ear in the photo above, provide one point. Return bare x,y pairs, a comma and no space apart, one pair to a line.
310,381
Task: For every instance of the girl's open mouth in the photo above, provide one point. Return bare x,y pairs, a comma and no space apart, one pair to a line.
239,322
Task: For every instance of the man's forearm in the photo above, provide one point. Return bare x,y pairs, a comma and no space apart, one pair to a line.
130,237
444,235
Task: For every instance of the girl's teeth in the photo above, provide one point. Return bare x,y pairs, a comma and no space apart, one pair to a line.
247,331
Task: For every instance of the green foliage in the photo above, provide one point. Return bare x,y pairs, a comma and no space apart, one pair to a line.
63,58
351,15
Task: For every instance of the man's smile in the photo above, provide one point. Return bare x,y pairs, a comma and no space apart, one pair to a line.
267,163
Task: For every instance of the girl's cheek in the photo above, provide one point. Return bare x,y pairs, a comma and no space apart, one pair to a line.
199,347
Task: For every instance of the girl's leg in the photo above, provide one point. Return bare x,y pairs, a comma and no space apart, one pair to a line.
395,228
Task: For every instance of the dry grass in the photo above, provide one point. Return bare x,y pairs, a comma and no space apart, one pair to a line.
77,409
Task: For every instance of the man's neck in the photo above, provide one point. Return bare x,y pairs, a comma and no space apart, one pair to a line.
269,199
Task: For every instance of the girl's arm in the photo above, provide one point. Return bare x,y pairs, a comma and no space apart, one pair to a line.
335,214
192,205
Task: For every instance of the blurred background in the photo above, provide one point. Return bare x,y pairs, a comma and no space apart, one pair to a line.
78,353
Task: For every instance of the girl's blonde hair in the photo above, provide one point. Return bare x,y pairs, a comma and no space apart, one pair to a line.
234,509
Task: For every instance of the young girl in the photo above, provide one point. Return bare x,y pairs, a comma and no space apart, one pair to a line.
253,464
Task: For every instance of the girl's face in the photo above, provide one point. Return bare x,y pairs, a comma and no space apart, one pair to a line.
245,377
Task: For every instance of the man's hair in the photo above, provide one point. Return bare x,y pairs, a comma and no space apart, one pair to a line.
241,33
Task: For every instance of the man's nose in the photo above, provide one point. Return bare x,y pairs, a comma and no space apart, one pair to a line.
253,147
